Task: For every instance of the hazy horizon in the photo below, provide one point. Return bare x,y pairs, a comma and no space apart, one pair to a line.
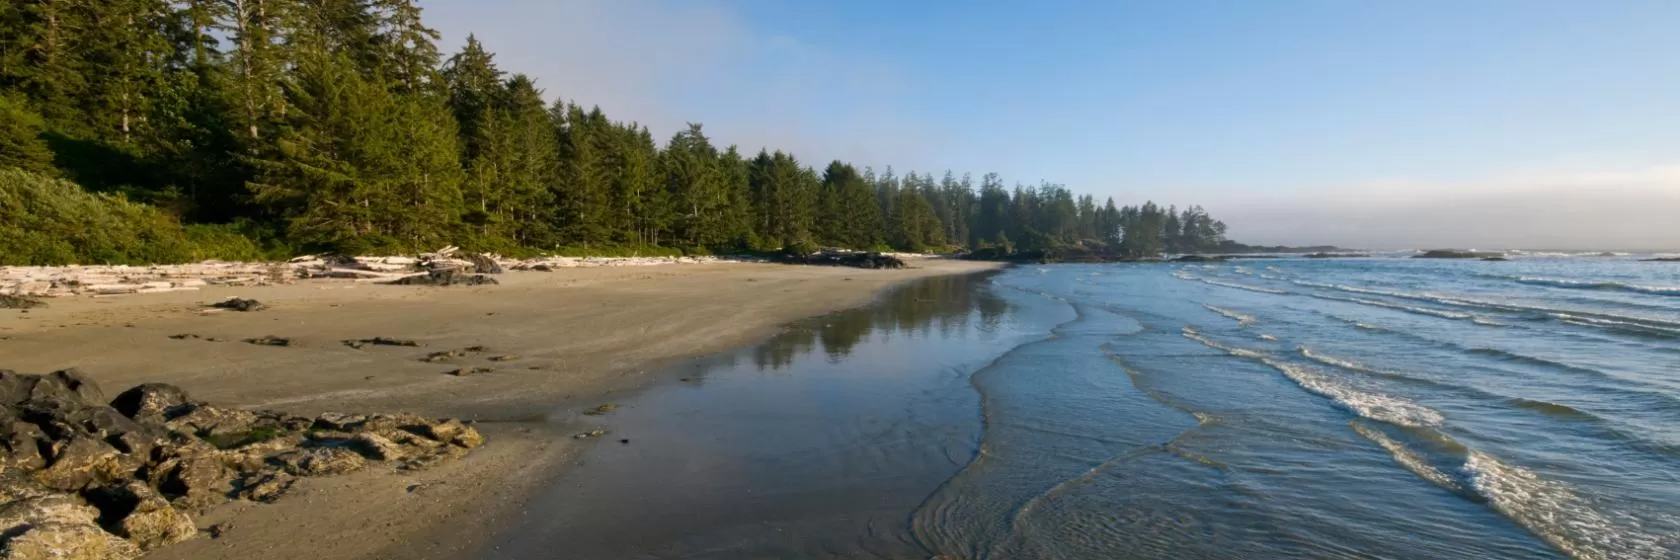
1425,124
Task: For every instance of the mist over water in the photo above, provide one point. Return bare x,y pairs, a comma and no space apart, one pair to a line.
1290,408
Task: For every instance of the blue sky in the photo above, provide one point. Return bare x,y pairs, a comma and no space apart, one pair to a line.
1368,123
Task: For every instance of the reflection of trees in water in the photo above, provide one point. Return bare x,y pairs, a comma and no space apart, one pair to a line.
914,310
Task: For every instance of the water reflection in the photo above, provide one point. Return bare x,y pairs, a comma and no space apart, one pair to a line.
946,305
869,412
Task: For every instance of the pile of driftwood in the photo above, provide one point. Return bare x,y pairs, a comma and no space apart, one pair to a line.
53,281
448,265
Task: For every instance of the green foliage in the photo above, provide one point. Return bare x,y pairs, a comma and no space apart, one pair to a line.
20,138
279,126
48,221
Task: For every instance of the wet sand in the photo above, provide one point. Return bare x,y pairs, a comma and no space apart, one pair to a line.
569,339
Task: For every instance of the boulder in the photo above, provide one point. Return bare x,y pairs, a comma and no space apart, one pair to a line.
265,486
445,277
321,461
377,447
84,462
69,384
213,422
59,527
137,512
193,482
152,402
239,304
9,301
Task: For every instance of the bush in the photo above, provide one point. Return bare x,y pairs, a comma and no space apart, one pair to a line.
45,221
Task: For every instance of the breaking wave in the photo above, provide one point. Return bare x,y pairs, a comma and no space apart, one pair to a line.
1602,286
1241,319
1555,512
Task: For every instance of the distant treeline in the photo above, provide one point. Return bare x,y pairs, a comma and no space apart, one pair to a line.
282,126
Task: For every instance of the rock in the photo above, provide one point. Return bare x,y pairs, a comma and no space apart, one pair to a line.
194,481
1455,254
321,461
269,340
338,421
445,277
443,356
239,304
69,384
378,341
152,402
466,371
1201,258
9,301
57,527
1662,259
22,442
506,358
483,264
842,258
265,486
14,486
1495,259
591,433
216,423
377,447
84,462
185,336
137,512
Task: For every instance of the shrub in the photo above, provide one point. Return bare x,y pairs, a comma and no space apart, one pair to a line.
46,221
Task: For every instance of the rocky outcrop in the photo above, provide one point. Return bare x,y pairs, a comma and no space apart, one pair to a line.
1453,254
845,258
445,277
81,477
239,304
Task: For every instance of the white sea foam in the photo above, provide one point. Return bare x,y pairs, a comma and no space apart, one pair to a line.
1367,404
1268,337
1377,406
1554,511
1240,318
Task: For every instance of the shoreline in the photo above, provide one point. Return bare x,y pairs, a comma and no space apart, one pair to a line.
573,338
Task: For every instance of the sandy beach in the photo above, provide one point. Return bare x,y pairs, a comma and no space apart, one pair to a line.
558,343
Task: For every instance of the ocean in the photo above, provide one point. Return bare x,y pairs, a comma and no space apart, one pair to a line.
1266,408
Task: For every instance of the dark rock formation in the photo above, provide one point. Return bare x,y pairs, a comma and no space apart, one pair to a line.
82,478
1454,254
239,304
1495,259
446,277
269,340
1337,255
1202,258
378,341
844,258
8,301
1663,259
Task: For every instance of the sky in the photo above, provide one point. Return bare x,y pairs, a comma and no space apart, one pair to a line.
1373,124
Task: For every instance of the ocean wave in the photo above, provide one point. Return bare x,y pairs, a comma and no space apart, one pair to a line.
1192,334
1412,460
1506,356
1442,313
1241,319
1551,409
1244,287
1373,405
1555,512
1599,285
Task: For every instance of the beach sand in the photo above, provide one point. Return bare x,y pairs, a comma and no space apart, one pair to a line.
559,343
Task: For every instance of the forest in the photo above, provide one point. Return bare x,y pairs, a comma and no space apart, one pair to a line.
150,131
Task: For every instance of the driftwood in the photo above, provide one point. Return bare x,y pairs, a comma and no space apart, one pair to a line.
120,280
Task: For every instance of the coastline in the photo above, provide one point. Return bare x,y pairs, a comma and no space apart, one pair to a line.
575,337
